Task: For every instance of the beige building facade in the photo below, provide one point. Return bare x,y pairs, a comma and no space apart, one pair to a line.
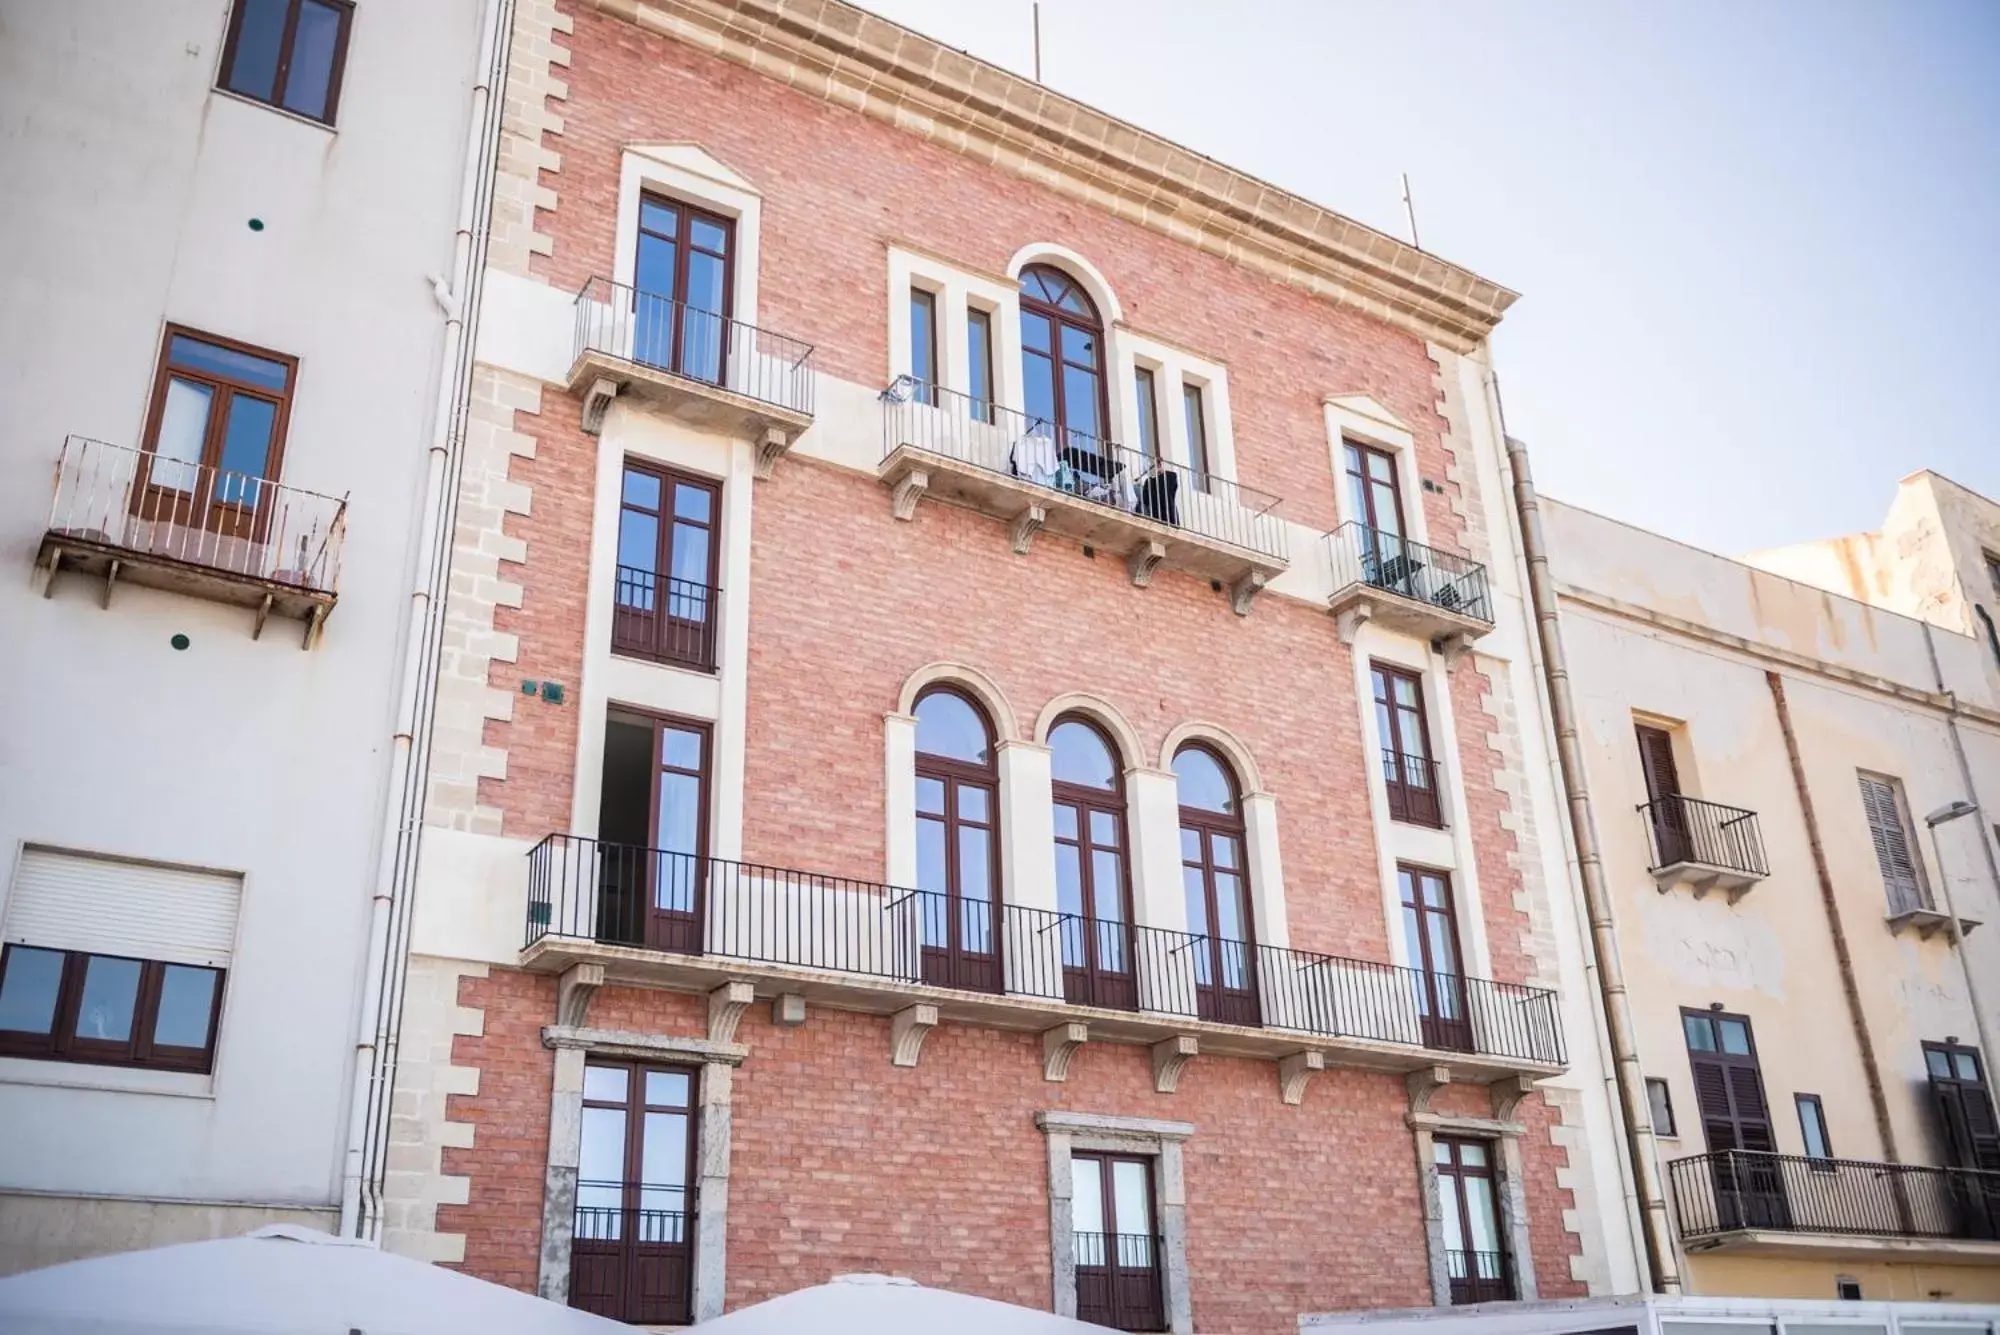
1763,747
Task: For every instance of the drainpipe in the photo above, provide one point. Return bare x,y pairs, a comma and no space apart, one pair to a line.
1616,1002
1980,1026
1856,1017
387,967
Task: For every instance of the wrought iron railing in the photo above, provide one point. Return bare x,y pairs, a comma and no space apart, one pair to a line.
1687,829
1118,1280
1363,555
1075,463
669,620
1478,1277
622,894
630,1253
706,347
1412,784
157,506
1733,1190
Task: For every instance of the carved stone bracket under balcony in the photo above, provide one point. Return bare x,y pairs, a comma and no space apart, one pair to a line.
1296,1072
1170,1058
908,1028
1927,923
574,990
1059,1045
726,1005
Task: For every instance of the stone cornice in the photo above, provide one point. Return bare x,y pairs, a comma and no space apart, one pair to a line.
854,59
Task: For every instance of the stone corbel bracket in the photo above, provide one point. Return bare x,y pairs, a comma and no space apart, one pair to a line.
1296,1072
1349,621
1423,1083
907,1031
1059,1045
1247,586
1454,647
909,489
726,1005
1026,525
1170,1058
596,403
771,447
1507,1095
1144,560
574,990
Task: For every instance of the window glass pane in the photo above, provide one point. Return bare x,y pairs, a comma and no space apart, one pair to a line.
1480,1215
1939,1062
187,1000
246,445
1413,943
605,1082
975,867
1038,389
1735,1037
1081,757
1079,347
1069,879
1080,401
1190,845
192,354
1066,821
1444,951
601,1156
28,991
183,429
254,69
923,336
638,540
1229,907
1197,429
930,796
1812,1127
1454,1225
692,503
1435,895
1037,332
1204,785
1967,1065
1131,1203
948,726
110,993
705,275
663,1154
1662,1106
708,235
680,813
974,804
1700,1034
1147,418
667,1089
654,271
690,553
1388,515
1472,1155
642,489
1222,851
979,362
313,44
1195,889
1107,879
657,217
680,748
1104,829
1086,1194
1441,1151
930,855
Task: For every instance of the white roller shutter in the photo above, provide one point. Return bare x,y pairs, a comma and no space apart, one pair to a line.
73,901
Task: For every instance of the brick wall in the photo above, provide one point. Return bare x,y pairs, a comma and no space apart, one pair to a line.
842,1162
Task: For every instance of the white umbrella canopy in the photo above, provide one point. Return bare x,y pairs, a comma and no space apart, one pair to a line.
281,1280
889,1305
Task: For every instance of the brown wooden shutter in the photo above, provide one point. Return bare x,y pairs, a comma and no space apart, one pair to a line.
1900,877
1656,758
1711,1096
1972,1135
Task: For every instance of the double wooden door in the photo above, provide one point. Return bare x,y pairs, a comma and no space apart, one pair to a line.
1749,1185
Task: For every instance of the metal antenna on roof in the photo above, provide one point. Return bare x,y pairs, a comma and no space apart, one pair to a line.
1038,41
1410,209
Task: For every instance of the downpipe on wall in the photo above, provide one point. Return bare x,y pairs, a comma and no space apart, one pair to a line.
1616,1003
387,968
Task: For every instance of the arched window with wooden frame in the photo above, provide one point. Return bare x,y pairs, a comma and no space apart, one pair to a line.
958,842
1064,370
1216,880
1093,868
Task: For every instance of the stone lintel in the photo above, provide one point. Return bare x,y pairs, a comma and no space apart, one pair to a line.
618,1043
1445,1124
1057,1120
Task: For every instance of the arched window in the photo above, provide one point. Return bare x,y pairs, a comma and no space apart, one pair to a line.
1216,880
1063,366
1093,876
958,842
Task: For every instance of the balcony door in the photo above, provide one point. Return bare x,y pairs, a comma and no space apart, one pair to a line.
1117,1243
1409,775
631,1254
1376,499
1063,370
1215,880
1093,883
1964,1104
958,844
1474,1257
1672,840
652,826
667,553
1735,1121
1430,933
682,289
215,434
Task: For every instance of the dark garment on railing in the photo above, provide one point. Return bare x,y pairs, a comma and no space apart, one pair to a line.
1687,829
687,904
1733,1190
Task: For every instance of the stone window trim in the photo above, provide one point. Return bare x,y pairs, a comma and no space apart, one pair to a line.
1509,1169
718,1061
1067,1132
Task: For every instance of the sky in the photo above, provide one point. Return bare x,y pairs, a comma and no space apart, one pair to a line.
1752,239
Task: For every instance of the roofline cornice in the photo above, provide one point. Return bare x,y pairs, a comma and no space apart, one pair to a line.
854,59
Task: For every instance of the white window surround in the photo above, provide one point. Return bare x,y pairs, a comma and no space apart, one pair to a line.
1365,421
609,679
1173,369
694,176
1260,833
1067,1133
958,291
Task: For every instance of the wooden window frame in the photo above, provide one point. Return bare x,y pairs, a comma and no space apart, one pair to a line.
682,242
62,1043
1452,1177
927,385
634,1108
1801,1102
957,775
1107,1189
1233,1005
1146,424
1968,1145
1406,803
658,929
1665,1104
979,362
1059,318
1194,405
1906,827
147,498
1354,457
1099,984
336,73
1449,1033
701,646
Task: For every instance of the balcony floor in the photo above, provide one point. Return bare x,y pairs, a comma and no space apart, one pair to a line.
711,407
1362,601
1702,877
1848,1247
640,967
65,553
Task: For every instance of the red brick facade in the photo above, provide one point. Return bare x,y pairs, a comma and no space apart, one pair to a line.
841,1161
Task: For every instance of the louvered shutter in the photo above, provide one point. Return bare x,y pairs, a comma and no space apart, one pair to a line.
106,906
1753,1116
1971,1132
1711,1095
1900,877
1656,758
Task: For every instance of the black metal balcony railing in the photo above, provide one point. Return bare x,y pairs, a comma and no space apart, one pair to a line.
1118,1281
646,329
679,903
665,619
1478,1277
631,1253
1687,829
1412,784
1074,463
1732,1190
1363,555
